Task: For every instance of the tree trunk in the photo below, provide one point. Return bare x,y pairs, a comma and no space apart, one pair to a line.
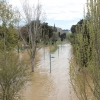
32,62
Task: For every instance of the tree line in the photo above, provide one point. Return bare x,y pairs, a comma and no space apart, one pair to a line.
14,72
85,40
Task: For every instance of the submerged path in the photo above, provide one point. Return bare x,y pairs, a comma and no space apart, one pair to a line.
55,85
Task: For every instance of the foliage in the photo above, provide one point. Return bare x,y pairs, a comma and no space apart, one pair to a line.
47,33
69,36
87,50
11,38
13,75
63,36
8,18
81,43
8,15
47,30
13,72
54,38
73,29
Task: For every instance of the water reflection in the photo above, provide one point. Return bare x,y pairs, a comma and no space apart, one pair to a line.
55,85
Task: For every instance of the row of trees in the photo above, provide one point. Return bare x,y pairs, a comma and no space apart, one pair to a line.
45,35
86,48
13,72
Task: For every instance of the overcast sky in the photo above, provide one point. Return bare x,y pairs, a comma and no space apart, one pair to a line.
62,13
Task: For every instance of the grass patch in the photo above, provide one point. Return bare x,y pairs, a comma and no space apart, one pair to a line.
53,48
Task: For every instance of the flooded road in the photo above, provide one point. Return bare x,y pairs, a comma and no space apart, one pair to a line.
55,85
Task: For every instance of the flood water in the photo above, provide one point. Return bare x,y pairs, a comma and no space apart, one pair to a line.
55,85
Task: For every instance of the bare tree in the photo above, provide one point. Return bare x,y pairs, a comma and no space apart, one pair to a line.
33,18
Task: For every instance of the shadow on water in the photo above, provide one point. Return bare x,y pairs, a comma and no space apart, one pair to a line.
55,85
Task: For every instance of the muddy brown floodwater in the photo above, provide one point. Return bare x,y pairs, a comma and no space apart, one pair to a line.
55,85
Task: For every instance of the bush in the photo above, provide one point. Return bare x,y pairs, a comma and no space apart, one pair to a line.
13,75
